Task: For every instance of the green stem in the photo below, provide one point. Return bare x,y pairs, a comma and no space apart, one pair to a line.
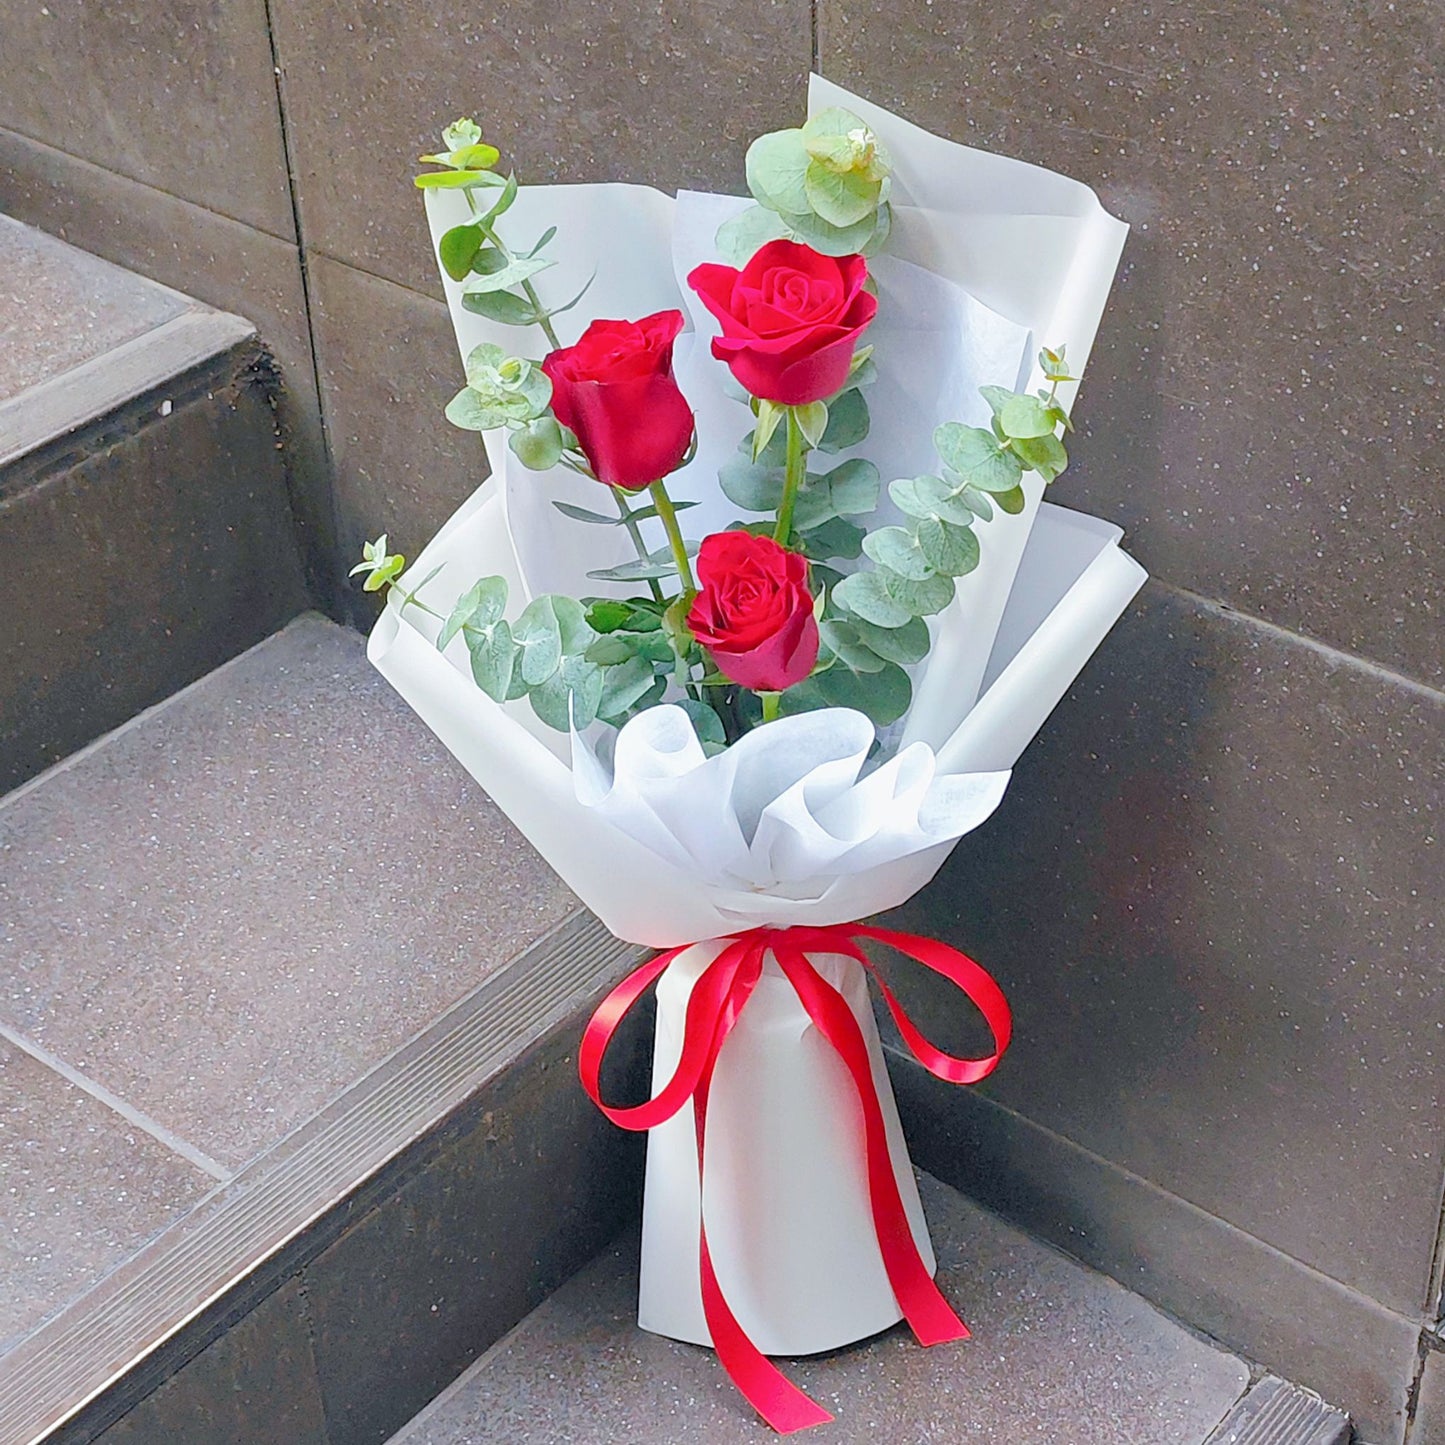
795,469
528,290
668,513
635,532
771,701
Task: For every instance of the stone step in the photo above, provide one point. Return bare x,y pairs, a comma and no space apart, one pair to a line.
1059,1354
216,924
145,528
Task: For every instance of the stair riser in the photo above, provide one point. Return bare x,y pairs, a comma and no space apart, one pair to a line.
138,555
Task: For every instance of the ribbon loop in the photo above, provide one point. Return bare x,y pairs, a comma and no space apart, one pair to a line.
715,1004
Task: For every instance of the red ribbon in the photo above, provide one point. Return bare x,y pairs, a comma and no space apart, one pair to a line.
713,1008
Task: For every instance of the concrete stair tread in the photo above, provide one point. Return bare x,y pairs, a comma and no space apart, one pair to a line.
1058,1354
215,920
80,337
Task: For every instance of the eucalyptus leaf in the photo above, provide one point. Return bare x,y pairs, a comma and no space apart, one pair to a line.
865,595
539,636
830,240
834,538
581,514
1025,416
538,445
750,485
570,696
930,496
741,237
844,641
897,548
654,565
907,644
493,658
501,306
457,249
480,607
1043,454
921,598
467,411
624,685
842,198
519,269
546,236
503,203
775,166
705,722
976,456
1012,501
978,502
610,650
847,422
949,549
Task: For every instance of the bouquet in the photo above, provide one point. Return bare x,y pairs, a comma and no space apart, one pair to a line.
756,611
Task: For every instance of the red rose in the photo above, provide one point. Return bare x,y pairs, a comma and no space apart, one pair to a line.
615,390
790,319
754,614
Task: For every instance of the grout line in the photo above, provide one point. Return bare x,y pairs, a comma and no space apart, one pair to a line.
1335,655
114,1102
71,158
334,583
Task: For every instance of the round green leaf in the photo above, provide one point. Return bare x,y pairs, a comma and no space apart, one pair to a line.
775,167
976,456
897,548
949,549
841,198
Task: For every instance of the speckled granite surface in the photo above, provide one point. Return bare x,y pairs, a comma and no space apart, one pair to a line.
218,919
60,306
1059,1354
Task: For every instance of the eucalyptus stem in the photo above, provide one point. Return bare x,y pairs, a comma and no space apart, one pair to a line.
794,470
528,290
635,532
668,513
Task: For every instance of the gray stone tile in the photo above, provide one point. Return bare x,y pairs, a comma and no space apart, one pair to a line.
60,307
256,1382
205,255
389,365
1428,1427
536,1182
1212,895
1058,1353
144,556
1236,1289
591,91
181,96
1261,414
83,1188
229,912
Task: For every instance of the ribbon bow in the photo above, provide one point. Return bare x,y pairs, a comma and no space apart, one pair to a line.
713,1008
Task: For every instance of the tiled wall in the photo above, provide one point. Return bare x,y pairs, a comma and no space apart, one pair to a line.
1214,892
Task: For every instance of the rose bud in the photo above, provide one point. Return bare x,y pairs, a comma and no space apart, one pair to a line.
754,614
615,390
790,319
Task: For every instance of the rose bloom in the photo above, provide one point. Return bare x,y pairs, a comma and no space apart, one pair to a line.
754,614
790,319
616,391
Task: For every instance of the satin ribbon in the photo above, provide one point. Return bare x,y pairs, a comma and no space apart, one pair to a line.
713,1009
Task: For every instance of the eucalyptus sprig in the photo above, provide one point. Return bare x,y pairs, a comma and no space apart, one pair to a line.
824,183
496,281
872,620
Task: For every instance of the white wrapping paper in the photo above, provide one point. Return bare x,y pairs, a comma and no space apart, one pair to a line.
990,258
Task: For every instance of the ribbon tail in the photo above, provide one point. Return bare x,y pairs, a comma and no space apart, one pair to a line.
929,1315
780,1402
